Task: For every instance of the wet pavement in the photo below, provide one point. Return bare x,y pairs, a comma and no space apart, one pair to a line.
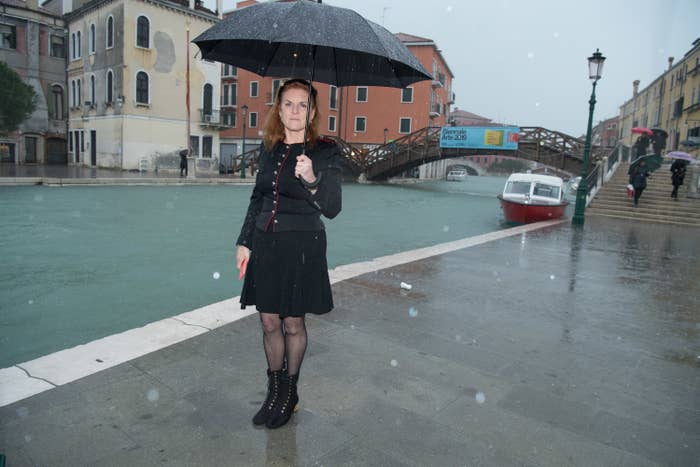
552,347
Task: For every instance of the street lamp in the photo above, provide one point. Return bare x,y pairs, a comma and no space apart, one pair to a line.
386,130
595,72
244,109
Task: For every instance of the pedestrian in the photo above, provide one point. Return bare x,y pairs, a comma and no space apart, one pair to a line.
183,162
282,245
677,176
638,179
641,145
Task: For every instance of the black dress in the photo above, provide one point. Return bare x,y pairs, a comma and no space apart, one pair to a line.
287,273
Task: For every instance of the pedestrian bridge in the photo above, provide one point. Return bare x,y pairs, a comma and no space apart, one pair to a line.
538,144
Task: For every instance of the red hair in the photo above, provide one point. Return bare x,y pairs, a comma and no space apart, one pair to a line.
273,129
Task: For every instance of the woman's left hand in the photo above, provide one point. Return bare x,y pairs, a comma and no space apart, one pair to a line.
304,169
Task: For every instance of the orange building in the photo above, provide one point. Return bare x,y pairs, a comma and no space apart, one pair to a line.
367,116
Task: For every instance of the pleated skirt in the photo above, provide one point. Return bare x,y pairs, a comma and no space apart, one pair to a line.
287,274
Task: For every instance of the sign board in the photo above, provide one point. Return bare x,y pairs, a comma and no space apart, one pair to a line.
480,137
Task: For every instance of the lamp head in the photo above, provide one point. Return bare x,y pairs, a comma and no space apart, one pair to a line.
595,65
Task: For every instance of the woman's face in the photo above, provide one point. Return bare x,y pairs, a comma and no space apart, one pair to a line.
293,106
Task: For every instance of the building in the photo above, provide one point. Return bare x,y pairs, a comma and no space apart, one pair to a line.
606,133
33,43
460,117
138,94
670,102
361,115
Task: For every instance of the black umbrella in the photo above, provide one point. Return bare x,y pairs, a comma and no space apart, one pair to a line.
310,40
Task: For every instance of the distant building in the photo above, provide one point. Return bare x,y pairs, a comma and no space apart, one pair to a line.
33,43
606,133
463,118
670,102
128,85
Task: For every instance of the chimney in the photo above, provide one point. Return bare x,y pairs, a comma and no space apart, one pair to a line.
670,62
635,88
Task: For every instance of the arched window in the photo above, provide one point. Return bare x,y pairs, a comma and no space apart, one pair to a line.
80,92
142,87
142,32
110,32
73,95
110,87
92,89
207,98
57,102
73,50
93,47
79,49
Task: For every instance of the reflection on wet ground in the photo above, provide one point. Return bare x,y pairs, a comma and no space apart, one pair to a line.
528,350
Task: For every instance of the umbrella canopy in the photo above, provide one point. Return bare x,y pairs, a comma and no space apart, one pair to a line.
642,131
660,132
680,155
652,162
314,41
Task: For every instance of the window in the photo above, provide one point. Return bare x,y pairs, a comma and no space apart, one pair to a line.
230,70
72,47
331,124
407,95
141,87
142,32
92,90
92,39
8,36
333,104
110,87
73,94
206,146
253,119
57,102
80,92
79,45
110,32
229,97
207,98
194,145
361,94
57,46
405,125
360,124
275,89
230,119
253,89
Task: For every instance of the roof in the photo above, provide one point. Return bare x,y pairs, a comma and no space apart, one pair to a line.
525,177
464,114
403,37
409,39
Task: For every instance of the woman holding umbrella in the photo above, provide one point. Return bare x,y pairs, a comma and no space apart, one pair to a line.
677,176
282,244
638,179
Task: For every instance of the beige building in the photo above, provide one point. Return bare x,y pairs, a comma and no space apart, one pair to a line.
127,84
670,102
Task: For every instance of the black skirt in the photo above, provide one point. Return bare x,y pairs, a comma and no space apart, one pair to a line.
287,274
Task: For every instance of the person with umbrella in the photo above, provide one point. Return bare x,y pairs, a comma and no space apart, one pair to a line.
638,179
677,175
183,162
282,244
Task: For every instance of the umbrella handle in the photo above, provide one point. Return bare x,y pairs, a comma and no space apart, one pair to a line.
308,102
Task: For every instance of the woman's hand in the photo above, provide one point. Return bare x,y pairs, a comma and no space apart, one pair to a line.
242,256
305,169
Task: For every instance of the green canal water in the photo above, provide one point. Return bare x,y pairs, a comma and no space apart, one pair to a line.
80,263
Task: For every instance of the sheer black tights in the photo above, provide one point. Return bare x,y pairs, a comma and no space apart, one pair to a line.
284,340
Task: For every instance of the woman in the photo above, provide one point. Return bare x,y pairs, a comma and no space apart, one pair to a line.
638,179
677,176
282,245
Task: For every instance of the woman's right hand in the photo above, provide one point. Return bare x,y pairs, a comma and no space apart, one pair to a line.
242,256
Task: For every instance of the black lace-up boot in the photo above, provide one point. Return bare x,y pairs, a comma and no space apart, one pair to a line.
273,392
286,403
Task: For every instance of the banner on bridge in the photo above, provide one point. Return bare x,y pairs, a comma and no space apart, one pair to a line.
480,137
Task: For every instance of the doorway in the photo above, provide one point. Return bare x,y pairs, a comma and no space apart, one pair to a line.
93,148
30,150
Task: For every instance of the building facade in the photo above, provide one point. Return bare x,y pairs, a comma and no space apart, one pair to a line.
138,94
33,43
606,133
671,102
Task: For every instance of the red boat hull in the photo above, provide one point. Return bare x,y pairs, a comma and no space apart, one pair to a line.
526,213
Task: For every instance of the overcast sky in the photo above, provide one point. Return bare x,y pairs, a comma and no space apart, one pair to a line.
525,62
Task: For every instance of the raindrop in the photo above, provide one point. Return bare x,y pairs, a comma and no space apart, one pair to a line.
530,55
555,35
394,363
31,302
274,25
495,273
216,275
412,312
448,9
480,397
552,277
27,438
22,412
153,395
352,326
38,198
445,228
458,338
537,104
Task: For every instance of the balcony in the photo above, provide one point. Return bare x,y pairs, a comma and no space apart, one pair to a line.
211,118
451,98
434,110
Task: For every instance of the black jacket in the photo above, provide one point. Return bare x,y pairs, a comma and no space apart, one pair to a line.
281,203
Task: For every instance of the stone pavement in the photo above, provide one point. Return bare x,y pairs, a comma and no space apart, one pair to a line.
555,347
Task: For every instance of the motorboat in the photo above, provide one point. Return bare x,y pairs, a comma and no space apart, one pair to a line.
531,197
456,175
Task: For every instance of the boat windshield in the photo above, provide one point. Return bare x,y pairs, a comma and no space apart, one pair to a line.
548,191
518,188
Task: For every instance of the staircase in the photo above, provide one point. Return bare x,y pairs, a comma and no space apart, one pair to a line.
655,205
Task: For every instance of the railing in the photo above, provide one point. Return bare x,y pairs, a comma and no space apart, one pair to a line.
211,117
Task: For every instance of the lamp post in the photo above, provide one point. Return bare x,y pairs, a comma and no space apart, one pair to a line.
595,71
386,130
244,109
